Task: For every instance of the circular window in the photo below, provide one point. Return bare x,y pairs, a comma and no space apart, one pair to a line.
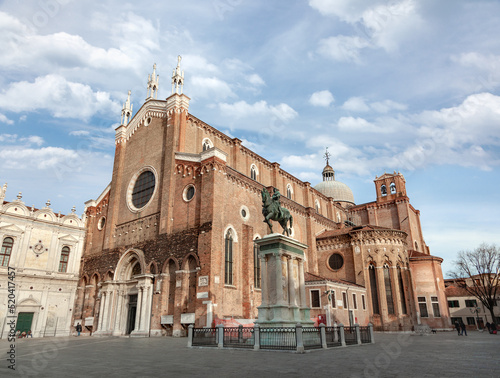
143,189
336,261
244,213
148,121
101,223
189,193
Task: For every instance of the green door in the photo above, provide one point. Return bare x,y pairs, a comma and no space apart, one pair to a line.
24,320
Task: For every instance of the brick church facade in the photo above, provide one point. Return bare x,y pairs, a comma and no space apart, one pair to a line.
170,241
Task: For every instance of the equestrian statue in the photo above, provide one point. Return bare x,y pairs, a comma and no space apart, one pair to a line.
272,210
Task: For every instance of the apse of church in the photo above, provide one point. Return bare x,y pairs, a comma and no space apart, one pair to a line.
170,241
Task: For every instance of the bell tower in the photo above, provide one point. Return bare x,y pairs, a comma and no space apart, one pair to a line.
390,186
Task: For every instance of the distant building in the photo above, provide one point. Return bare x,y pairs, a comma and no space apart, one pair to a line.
467,309
43,250
170,241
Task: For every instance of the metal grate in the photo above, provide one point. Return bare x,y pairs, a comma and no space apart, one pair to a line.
283,338
332,337
239,337
311,337
350,335
365,335
204,337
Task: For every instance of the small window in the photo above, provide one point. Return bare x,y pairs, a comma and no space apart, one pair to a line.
336,261
101,223
333,299
435,310
345,300
63,263
189,192
422,305
354,302
207,144
253,172
363,302
393,188
470,303
416,246
289,192
315,300
383,190
453,304
6,251
316,205
471,321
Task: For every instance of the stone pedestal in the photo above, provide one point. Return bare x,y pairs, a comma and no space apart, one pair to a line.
284,302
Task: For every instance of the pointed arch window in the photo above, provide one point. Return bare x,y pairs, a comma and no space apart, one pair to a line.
7,245
393,188
388,289
402,290
63,262
253,172
256,265
374,289
289,191
207,144
317,206
228,264
383,190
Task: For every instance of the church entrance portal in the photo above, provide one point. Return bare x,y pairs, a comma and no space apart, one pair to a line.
132,310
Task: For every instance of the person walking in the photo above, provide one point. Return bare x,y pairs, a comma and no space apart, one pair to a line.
78,329
488,325
457,327
464,328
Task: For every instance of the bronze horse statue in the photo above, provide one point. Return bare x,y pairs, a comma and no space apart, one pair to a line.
272,210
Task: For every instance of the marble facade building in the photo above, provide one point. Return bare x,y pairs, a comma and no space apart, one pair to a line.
39,267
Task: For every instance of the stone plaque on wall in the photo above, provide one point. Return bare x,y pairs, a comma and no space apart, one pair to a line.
203,281
187,318
201,295
167,319
89,322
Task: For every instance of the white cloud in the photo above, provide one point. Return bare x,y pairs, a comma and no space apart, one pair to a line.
29,158
347,10
33,139
79,133
358,125
62,98
211,87
321,98
4,119
242,109
488,68
255,79
356,104
342,48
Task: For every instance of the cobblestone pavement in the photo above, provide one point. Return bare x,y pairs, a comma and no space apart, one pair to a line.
393,355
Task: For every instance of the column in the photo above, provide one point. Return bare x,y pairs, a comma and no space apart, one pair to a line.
101,311
263,281
302,284
116,327
292,300
279,279
105,315
139,304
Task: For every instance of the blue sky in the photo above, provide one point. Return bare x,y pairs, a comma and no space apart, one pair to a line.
405,85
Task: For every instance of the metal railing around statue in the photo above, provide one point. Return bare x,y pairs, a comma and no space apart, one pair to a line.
365,335
282,338
239,337
311,338
204,337
296,338
332,335
350,335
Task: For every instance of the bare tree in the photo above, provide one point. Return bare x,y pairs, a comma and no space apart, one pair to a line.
477,272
